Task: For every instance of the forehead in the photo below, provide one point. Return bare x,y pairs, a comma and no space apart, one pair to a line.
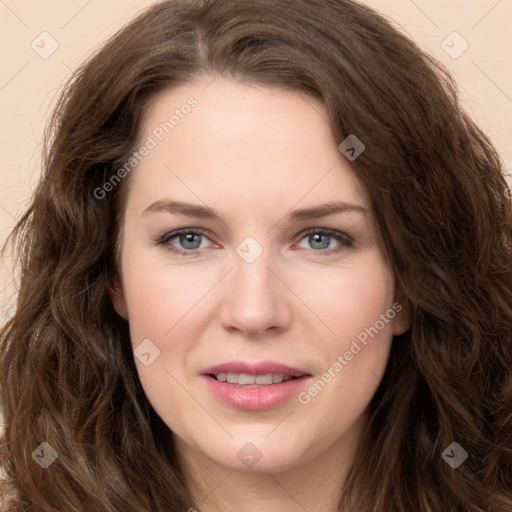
224,138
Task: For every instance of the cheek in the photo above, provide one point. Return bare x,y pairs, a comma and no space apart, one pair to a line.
349,299
158,297
164,306
359,309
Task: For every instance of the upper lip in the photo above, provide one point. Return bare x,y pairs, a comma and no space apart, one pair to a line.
261,368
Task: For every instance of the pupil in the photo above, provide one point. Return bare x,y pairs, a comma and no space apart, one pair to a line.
314,239
188,241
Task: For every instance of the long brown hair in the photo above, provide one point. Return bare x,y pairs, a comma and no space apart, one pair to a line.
67,374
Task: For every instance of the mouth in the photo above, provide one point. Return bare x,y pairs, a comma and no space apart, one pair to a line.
245,379
252,386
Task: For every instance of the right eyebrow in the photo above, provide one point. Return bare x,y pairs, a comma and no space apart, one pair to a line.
182,208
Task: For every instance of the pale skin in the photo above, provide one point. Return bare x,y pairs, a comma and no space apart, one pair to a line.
255,154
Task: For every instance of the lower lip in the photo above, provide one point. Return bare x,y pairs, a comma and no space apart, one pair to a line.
255,398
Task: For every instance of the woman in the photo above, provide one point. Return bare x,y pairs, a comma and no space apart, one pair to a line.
265,268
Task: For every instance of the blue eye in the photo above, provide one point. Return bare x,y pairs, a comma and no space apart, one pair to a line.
320,240
189,241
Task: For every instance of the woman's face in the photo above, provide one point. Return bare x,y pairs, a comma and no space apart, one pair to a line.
275,280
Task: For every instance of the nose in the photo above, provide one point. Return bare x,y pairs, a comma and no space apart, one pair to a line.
255,301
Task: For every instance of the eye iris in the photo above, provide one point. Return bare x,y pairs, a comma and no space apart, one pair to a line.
189,241
316,238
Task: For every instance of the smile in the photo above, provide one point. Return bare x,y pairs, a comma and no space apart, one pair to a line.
254,386
244,379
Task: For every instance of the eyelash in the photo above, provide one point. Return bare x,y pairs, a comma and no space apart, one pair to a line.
344,240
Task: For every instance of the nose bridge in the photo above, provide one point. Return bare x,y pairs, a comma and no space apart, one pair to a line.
255,301
251,261
253,278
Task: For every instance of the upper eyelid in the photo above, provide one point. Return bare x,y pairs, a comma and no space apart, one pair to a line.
329,231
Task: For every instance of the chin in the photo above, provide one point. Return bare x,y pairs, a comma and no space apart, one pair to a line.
256,454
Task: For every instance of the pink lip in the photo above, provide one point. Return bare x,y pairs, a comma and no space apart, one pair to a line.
262,368
255,398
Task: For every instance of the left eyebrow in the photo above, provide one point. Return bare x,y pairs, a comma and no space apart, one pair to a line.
323,210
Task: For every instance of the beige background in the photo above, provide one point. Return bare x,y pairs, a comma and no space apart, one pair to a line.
29,82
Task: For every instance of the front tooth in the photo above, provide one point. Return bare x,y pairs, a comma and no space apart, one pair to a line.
277,378
245,379
264,379
232,378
